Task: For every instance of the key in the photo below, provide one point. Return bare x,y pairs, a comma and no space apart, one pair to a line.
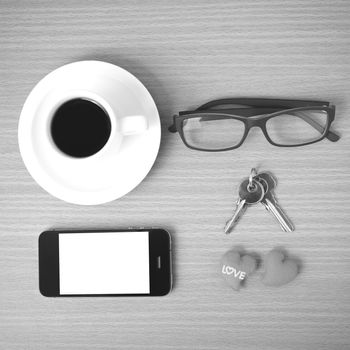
248,195
270,202
241,207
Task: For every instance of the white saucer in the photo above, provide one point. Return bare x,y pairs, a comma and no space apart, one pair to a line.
92,180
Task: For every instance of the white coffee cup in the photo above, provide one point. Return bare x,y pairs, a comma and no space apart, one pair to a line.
121,125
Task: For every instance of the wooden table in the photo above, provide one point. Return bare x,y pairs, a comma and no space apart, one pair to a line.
187,53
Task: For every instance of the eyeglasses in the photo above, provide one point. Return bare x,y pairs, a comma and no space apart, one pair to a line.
222,125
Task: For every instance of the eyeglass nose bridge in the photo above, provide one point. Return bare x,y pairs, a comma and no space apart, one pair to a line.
256,123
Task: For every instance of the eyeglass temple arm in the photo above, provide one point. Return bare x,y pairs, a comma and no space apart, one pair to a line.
247,112
261,102
172,127
279,103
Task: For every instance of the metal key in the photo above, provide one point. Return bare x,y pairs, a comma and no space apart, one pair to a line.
270,203
250,192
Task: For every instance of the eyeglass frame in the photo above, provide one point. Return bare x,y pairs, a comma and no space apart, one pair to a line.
260,110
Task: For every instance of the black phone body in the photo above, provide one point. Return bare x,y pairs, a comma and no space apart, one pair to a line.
131,262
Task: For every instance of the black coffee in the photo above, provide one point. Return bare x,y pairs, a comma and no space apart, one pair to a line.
80,128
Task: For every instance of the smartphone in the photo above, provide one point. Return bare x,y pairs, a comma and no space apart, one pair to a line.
105,263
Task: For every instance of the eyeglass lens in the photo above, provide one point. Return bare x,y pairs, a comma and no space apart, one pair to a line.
298,127
210,132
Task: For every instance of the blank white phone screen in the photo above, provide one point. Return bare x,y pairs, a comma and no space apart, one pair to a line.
104,263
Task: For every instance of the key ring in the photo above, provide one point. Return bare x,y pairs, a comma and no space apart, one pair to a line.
251,185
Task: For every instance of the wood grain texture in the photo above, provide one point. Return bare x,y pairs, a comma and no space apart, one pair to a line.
187,53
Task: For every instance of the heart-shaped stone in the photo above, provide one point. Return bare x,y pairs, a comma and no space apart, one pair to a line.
236,267
279,269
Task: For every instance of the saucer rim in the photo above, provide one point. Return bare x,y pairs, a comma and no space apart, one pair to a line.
62,191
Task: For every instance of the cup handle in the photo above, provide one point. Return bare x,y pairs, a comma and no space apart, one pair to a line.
133,124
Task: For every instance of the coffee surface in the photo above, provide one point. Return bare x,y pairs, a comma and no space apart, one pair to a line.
80,128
